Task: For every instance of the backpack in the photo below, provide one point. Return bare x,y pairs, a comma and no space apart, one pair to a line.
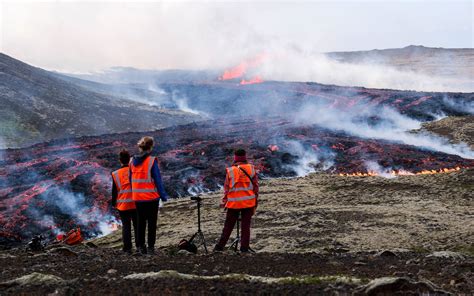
188,246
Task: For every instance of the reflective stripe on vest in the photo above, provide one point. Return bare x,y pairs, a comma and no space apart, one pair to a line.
143,185
124,198
240,194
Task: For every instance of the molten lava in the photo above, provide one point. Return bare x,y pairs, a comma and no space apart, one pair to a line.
402,172
242,68
254,80
59,185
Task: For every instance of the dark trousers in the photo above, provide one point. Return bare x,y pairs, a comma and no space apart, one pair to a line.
147,215
128,217
231,218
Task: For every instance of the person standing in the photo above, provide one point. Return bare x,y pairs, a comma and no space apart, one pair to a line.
147,190
122,200
240,199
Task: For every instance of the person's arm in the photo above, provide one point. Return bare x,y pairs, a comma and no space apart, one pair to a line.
255,190
114,194
255,185
226,191
156,175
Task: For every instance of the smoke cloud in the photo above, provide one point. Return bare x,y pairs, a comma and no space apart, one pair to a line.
390,125
93,36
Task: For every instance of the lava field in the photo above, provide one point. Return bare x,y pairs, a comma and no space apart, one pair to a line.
54,186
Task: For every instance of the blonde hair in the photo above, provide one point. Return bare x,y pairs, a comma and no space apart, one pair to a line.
145,144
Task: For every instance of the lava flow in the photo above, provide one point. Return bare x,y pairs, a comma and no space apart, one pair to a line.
402,172
56,186
241,69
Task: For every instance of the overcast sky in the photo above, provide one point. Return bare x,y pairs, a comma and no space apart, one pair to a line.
90,36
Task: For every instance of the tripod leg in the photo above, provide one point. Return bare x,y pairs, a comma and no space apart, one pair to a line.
193,237
203,242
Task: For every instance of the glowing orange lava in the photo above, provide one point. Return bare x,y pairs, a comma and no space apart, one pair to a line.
403,172
239,70
256,79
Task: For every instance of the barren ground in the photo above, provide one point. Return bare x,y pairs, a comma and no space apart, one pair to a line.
314,235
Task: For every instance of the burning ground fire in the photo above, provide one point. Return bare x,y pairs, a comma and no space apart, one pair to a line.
402,172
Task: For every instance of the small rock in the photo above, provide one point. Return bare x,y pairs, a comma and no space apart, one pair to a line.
112,271
387,254
184,252
446,255
392,285
34,278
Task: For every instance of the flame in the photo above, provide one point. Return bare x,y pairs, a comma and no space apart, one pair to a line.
256,79
402,172
239,70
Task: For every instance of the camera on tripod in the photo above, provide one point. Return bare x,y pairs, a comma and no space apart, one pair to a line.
197,240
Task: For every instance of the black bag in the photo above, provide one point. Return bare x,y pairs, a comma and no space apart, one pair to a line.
188,246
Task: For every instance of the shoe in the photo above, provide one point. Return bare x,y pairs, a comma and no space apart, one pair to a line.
128,251
247,250
143,251
151,251
218,249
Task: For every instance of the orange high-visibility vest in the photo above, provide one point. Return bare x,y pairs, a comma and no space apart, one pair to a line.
122,182
143,185
241,194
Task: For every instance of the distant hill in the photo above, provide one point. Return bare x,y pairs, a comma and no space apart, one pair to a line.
446,62
38,106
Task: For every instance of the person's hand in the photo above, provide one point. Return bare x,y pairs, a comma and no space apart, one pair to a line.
223,203
164,198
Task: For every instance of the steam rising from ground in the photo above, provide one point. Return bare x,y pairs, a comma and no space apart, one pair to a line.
308,160
389,125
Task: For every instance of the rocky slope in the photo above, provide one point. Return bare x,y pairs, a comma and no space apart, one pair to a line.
38,106
457,129
446,62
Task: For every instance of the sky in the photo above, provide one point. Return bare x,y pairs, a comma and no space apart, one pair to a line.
87,36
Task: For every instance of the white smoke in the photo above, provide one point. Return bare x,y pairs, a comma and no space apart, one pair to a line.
74,205
392,126
374,167
308,160
292,65
463,106
182,102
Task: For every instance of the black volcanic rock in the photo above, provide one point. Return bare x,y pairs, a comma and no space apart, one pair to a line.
38,106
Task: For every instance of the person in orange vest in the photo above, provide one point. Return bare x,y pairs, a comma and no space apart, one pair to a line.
147,190
240,198
122,200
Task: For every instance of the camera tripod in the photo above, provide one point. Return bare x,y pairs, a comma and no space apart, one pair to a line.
199,236
236,241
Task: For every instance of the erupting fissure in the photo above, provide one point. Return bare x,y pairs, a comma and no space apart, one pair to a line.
241,69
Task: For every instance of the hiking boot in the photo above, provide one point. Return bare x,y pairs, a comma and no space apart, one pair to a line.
143,251
127,251
218,249
151,250
247,250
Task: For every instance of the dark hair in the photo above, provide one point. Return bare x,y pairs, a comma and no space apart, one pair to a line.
124,157
145,144
240,152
